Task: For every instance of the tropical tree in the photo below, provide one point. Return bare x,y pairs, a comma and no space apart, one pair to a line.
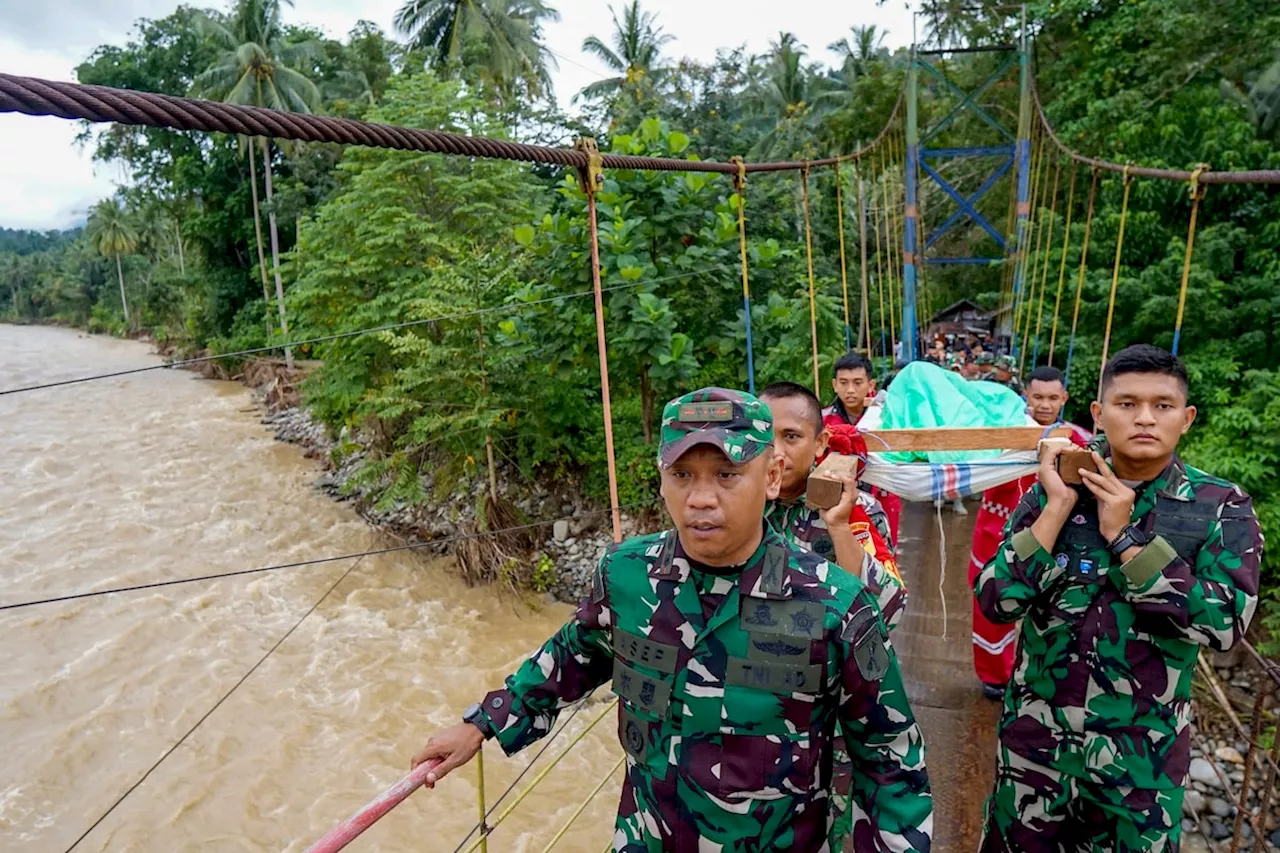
113,235
858,51
257,67
635,55
498,38
786,101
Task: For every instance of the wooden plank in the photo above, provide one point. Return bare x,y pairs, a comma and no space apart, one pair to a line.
957,438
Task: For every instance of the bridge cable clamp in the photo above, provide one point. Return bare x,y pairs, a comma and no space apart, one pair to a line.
591,179
1197,189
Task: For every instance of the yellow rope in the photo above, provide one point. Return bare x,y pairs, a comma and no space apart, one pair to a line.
583,806
1115,277
484,838
813,304
537,780
1062,266
1197,193
1084,263
1020,265
864,321
875,208
844,274
890,264
1030,286
1048,251
1033,261
921,265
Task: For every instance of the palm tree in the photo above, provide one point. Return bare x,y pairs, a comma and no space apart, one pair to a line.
859,52
499,37
257,67
636,52
786,100
112,234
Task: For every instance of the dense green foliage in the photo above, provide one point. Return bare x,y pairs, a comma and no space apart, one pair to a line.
500,251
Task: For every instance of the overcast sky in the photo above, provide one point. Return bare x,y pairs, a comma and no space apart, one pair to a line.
46,181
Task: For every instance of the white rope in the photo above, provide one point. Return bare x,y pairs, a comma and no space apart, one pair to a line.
942,568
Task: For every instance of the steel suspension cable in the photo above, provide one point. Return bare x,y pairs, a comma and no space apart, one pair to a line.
1084,263
813,307
1115,278
740,189
216,705
1197,193
1062,265
410,546
1048,256
844,274
1250,176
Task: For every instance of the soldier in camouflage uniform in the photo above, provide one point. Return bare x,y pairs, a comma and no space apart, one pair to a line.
853,534
1006,373
799,438
736,659
1118,583
986,366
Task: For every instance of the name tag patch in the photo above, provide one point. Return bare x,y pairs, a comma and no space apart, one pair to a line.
643,651
776,677
790,618
648,694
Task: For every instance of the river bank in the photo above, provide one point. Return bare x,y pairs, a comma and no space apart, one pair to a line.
571,533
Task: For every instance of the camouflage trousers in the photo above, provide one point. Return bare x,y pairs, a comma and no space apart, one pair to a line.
1034,809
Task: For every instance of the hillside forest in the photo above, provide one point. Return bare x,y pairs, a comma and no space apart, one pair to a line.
217,244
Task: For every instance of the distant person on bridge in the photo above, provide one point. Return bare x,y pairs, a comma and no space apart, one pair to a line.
1006,373
853,534
1118,584
993,642
736,658
854,385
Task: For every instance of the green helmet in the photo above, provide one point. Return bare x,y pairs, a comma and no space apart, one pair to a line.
986,359
1006,362
734,422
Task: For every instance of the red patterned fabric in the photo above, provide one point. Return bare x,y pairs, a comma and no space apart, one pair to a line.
994,645
838,424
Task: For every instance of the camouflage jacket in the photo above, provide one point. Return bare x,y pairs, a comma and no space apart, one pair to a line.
1102,684
804,528
732,686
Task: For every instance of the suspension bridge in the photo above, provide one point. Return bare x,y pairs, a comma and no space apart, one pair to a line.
890,175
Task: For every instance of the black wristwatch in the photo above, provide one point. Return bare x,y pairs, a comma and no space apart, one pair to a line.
475,716
1129,537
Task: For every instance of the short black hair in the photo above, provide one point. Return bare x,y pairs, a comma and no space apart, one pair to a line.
1045,373
783,390
853,361
1145,358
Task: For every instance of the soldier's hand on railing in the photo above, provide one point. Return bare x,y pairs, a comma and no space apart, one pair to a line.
454,746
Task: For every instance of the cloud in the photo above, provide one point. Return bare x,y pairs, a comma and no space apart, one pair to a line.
46,181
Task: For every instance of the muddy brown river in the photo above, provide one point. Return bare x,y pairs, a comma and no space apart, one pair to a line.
161,476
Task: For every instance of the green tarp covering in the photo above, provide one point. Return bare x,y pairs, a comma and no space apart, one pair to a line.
924,396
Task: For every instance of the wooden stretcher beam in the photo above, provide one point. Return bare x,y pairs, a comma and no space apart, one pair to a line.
967,438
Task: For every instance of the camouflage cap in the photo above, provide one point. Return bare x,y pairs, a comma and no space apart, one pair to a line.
1006,362
735,422
985,359
955,361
